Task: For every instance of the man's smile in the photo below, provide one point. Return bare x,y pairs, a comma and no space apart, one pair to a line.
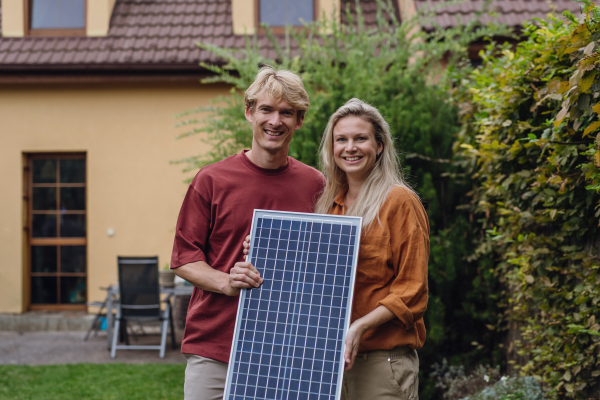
273,133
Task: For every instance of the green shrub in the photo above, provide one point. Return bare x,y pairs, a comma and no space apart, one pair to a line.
517,388
530,142
455,383
483,383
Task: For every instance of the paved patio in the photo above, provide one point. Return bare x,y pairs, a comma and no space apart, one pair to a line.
67,347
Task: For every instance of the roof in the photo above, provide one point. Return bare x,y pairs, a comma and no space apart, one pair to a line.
143,33
510,12
160,35
369,11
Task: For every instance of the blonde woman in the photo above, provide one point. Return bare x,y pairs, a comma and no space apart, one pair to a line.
358,159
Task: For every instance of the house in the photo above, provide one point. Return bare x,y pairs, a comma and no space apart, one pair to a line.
87,98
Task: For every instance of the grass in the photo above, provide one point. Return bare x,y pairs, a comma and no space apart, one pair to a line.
92,382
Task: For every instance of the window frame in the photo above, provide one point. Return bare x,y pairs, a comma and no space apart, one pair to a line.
280,29
52,241
29,31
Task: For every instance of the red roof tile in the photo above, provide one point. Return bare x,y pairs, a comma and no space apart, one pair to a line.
138,29
510,12
369,11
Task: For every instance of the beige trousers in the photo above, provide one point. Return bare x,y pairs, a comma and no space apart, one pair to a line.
377,375
383,375
204,378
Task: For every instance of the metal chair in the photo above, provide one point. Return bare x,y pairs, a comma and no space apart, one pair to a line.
140,301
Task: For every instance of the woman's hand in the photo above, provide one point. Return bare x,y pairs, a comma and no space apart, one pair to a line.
246,245
353,337
375,318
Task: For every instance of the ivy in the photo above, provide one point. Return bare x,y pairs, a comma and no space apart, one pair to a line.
531,143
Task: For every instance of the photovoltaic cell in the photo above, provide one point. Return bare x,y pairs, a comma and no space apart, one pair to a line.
289,334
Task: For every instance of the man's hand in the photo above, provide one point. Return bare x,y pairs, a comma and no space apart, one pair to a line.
201,275
242,275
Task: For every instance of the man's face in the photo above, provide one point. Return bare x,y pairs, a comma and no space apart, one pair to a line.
273,125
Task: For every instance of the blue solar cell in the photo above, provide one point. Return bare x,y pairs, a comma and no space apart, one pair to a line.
255,359
293,325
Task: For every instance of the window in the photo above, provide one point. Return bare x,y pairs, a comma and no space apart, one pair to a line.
56,231
56,17
279,13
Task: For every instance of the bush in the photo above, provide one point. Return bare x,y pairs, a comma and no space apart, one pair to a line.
483,383
529,118
455,384
521,388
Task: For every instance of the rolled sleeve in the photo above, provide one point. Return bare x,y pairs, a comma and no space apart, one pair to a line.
408,294
191,232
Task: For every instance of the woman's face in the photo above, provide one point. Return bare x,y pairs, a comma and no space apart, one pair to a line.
354,147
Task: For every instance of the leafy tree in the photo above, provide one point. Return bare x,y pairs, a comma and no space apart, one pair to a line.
530,139
397,69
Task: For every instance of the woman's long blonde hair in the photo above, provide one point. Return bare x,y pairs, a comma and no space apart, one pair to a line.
384,176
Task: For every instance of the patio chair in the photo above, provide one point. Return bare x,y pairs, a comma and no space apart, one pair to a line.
140,301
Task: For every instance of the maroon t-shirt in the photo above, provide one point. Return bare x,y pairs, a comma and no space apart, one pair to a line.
214,220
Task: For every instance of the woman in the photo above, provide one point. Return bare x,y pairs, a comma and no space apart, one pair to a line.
359,160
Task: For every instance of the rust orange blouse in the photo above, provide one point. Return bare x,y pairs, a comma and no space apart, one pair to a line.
392,271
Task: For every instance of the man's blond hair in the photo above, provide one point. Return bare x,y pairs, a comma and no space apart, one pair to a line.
278,85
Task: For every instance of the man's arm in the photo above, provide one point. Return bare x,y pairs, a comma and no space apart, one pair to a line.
203,276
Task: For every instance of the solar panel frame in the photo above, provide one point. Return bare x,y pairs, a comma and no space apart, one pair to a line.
338,364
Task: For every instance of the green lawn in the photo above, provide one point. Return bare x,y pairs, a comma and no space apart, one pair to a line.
92,381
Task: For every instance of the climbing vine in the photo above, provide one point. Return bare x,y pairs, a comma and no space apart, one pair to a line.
530,141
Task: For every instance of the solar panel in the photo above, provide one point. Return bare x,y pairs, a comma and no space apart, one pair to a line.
289,333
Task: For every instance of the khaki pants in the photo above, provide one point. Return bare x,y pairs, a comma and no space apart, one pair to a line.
204,378
377,375
383,375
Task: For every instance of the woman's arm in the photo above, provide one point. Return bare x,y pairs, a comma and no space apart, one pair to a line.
375,318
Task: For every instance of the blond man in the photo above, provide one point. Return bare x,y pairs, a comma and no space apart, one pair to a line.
216,215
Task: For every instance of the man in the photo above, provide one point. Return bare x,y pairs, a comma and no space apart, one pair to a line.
216,216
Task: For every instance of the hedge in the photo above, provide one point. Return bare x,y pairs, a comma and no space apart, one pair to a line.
530,142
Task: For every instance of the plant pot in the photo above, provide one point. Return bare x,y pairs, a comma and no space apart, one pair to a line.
167,278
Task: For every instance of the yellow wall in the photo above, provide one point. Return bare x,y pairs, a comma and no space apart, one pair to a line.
242,16
98,13
13,18
128,135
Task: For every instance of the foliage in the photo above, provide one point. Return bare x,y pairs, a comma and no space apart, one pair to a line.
483,383
456,384
397,69
529,118
521,388
92,382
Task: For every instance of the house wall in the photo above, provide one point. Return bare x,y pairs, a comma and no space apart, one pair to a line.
13,18
128,134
